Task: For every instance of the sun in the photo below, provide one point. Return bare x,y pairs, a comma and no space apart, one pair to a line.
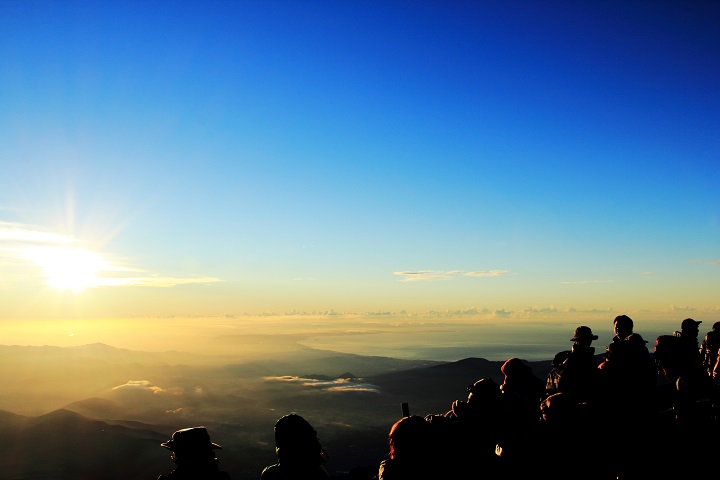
69,268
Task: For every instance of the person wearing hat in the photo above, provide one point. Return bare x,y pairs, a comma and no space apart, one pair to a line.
689,330
483,395
478,422
194,455
692,384
578,373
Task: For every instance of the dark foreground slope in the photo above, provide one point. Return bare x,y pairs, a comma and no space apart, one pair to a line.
64,445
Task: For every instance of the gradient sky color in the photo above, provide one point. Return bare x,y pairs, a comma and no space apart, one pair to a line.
218,157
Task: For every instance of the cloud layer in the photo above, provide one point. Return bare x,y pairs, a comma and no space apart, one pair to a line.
434,275
330,385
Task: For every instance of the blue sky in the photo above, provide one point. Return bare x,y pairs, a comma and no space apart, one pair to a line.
225,157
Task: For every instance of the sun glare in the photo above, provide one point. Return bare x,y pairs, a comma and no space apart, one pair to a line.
68,268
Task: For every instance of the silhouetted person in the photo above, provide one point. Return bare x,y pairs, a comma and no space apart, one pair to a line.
569,444
641,366
577,373
521,382
629,372
709,348
447,451
194,455
629,379
692,360
622,327
410,454
689,331
692,404
479,421
299,452
522,392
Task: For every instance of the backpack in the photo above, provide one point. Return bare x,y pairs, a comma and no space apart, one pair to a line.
553,379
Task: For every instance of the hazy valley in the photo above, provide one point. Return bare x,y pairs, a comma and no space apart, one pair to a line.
95,411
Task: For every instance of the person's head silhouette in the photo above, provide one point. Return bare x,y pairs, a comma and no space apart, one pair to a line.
690,328
622,326
296,442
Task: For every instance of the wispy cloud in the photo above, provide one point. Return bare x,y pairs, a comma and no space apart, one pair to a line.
139,386
585,282
701,260
680,308
435,275
423,276
68,264
487,273
330,385
536,309
23,234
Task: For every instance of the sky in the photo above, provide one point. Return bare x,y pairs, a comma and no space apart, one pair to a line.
512,159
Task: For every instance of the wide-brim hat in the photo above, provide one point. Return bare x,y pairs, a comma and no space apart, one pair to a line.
583,333
190,439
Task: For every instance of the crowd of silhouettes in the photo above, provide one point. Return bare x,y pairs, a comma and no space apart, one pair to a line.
624,414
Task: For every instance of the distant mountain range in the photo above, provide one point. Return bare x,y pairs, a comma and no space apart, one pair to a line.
94,438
